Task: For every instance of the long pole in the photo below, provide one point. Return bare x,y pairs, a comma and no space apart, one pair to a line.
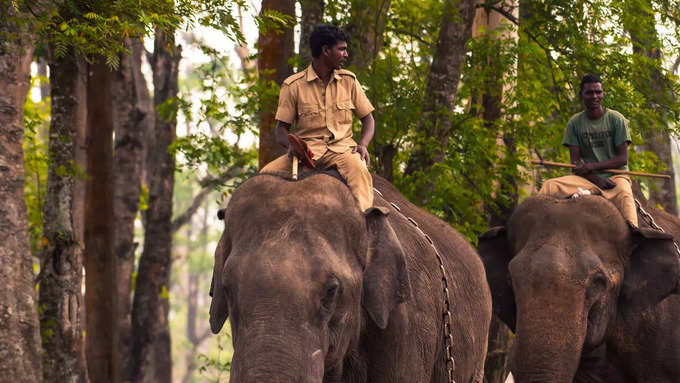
613,171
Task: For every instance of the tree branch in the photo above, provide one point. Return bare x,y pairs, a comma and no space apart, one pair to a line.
207,188
408,33
674,70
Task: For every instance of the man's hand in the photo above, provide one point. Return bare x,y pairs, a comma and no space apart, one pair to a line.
602,183
583,169
363,152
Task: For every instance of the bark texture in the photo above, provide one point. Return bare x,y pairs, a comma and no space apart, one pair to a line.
150,354
369,18
442,88
276,48
61,266
100,266
312,15
20,340
488,107
133,118
640,23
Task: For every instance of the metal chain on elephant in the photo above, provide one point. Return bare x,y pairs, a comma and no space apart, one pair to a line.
650,220
448,334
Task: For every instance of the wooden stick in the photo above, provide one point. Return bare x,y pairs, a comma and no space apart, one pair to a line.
614,171
295,167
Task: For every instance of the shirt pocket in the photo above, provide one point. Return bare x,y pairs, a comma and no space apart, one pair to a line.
309,114
344,112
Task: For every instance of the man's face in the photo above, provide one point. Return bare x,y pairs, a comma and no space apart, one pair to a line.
592,95
336,55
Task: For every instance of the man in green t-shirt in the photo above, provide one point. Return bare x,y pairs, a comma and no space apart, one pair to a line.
597,139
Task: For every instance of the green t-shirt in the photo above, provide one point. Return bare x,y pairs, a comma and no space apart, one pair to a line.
599,138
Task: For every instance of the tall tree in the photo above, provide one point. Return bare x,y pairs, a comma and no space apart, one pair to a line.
495,30
61,265
20,341
100,266
150,359
133,119
442,88
312,15
640,22
367,29
275,49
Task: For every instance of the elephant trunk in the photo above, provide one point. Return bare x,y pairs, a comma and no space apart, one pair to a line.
551,328
277,359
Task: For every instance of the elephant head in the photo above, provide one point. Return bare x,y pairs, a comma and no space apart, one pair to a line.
298,272
562,271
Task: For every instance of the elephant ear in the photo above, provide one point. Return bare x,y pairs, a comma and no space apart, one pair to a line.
386,281
652,272
495,252
219,310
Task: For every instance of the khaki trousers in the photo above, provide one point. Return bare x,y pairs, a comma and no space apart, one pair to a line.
349,165
621,195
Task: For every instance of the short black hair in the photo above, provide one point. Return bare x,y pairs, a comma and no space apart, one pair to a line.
325,34
588,79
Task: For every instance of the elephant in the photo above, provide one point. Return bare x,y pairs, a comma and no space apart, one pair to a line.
317,291
590,297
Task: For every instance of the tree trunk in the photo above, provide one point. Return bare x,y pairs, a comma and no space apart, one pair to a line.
488,104
150,352
61,267
20,341
275,50
640,23
133,118
369,18
312,15
100,266
442,87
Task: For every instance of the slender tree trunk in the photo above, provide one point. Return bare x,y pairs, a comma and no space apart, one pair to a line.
275,50
100,264
367,29
61,267
20,353
658,91
132,120
44,84
442,88
312,15
488,106
150,352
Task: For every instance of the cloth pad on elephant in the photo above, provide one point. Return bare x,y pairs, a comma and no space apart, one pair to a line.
301,150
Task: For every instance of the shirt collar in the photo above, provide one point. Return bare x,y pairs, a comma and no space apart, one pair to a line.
311,74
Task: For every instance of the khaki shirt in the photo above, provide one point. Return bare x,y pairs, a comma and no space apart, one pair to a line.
323,115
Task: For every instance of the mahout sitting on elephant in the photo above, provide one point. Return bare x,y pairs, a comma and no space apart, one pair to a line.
317,291
590,297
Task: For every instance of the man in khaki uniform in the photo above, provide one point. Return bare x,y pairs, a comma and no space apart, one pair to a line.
321,101
599,136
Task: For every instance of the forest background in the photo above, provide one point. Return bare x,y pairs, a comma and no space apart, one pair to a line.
125,125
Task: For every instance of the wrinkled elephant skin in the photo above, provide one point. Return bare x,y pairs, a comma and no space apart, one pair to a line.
589,297
316,291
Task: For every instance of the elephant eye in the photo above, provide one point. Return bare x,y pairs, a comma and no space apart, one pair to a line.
598,285
331,292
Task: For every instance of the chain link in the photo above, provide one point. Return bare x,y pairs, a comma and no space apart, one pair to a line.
650,220
446,315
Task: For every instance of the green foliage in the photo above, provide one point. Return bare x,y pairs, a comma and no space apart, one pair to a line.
215,366
36,121
485,161
99,28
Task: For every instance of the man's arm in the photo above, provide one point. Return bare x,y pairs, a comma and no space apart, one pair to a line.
367,131
281,134
586,170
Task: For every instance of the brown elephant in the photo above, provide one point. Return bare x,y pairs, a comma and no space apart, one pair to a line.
589,297
317,291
